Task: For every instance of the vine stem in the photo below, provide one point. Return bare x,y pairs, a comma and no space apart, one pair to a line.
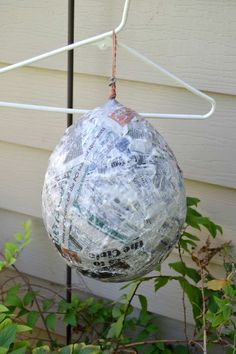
26,280
184,305
126,313
203,313
129,303
167,341
234,348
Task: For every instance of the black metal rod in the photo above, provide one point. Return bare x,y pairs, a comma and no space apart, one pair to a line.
70,89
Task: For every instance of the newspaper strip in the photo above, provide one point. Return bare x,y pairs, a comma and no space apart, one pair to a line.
113,199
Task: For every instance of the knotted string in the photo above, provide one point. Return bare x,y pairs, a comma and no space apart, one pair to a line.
113,77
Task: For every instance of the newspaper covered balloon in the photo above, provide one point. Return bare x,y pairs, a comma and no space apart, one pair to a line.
113,197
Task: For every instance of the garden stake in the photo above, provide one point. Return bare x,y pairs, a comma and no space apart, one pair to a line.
70,79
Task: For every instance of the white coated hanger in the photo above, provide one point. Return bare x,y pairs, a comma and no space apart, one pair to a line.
103,41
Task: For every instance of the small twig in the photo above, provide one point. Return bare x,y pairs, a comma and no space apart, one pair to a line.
234,348
78,339
132,351
203,313
24,336
167,341
56,293
126,313
184,304
3,292
128,305
26,280
93,327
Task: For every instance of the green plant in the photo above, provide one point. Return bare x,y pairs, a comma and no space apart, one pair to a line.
221,314
12,249
101,326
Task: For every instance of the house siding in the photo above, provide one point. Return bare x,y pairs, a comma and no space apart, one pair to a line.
194,39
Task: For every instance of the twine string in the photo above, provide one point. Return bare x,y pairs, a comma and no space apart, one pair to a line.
113,77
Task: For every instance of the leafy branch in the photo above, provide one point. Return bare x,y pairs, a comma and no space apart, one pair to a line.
101,326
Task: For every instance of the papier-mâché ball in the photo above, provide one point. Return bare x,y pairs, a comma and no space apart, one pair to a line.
113,197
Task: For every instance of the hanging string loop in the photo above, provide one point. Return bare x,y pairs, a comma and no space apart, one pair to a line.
113,77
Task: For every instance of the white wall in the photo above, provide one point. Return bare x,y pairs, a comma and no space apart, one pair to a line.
194,39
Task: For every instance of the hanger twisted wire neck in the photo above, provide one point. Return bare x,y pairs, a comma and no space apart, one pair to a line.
113,73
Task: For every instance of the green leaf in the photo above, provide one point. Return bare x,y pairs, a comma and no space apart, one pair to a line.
195,298
212,306
127,285
7,336
192,201
23,311
160,345
116,312
88,301
192,237
195,220
32,318
89,349
39,343
70,319
161,281
116,328
23,328
152,328
227,312
190,242
230,351
143,302
67,350
19,351
167,351
63,306
184,245
2,317
3,350
3,264
181,267
151,349
11,247
47,303
3,308
144,316
51,321
41,350
220,302
218,320
209,225
6,323
27,225
142,335
219,228
18,236
132,290
28,298
7,255
80,348
230,291
13,300
192,218
180,349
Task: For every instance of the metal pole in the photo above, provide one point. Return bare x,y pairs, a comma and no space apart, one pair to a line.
70,81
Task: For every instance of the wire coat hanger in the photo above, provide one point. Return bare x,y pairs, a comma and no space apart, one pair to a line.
103,41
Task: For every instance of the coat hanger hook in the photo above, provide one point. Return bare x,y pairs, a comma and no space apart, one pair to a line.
124,16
